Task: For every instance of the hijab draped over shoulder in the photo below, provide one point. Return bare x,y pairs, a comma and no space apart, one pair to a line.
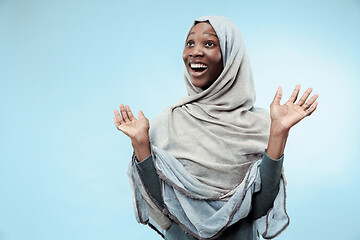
216,133
207,149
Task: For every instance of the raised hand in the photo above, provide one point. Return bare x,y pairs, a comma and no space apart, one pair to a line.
287,115
128,124
136,129
283,117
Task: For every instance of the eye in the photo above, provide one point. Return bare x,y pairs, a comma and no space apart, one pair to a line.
190,44
209,44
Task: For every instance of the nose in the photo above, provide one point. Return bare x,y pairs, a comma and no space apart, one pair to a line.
196,51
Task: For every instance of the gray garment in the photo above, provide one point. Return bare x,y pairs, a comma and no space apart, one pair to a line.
207,150
229,131
270,174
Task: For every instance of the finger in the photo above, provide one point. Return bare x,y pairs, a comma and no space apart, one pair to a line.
295,94
308,104
278,96
118,117
124,113
304,97
116,122
130,114
141,115
312,108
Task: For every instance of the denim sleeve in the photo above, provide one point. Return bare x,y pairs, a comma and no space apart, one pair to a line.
270,174
150,178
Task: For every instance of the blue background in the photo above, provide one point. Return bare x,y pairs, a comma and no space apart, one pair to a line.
66,65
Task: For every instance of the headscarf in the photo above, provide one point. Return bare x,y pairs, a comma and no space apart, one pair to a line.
207,149
216,133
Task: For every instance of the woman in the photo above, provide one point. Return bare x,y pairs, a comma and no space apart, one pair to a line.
209,167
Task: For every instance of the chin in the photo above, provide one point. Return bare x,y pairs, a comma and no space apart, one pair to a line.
197,84
204,84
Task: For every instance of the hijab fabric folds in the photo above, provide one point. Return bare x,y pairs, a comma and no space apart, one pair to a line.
206,149
217,133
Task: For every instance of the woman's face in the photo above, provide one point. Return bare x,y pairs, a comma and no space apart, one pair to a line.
202,55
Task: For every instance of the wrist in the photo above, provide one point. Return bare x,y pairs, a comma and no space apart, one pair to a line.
141,146
278,131
140,139
277,141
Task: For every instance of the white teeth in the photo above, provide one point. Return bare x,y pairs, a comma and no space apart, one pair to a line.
197,65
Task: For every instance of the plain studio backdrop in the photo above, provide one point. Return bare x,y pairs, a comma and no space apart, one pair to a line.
66,65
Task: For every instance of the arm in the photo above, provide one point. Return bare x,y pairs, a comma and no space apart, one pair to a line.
150,178
136,129
270,174
283,117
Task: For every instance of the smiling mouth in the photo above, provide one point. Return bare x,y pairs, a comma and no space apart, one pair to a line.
198,67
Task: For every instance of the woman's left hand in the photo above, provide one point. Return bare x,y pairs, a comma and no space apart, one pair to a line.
283,117
287,115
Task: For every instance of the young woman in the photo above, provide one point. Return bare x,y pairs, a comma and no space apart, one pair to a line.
209,167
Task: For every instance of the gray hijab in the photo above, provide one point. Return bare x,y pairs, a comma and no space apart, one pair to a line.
207,149
216,134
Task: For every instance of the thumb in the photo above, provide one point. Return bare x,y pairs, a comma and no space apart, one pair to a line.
141,115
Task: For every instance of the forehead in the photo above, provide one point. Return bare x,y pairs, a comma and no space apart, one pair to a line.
203,28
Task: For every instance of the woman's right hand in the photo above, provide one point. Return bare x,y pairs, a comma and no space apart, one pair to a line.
136,129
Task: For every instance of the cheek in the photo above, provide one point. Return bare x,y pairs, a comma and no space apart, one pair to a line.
217,60
219,57
184,56
215,55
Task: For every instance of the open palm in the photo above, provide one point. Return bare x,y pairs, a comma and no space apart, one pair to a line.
128,124
291,113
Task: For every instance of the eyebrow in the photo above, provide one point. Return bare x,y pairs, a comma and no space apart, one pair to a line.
209,33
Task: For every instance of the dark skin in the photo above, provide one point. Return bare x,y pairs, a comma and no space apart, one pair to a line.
206,55
203,47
